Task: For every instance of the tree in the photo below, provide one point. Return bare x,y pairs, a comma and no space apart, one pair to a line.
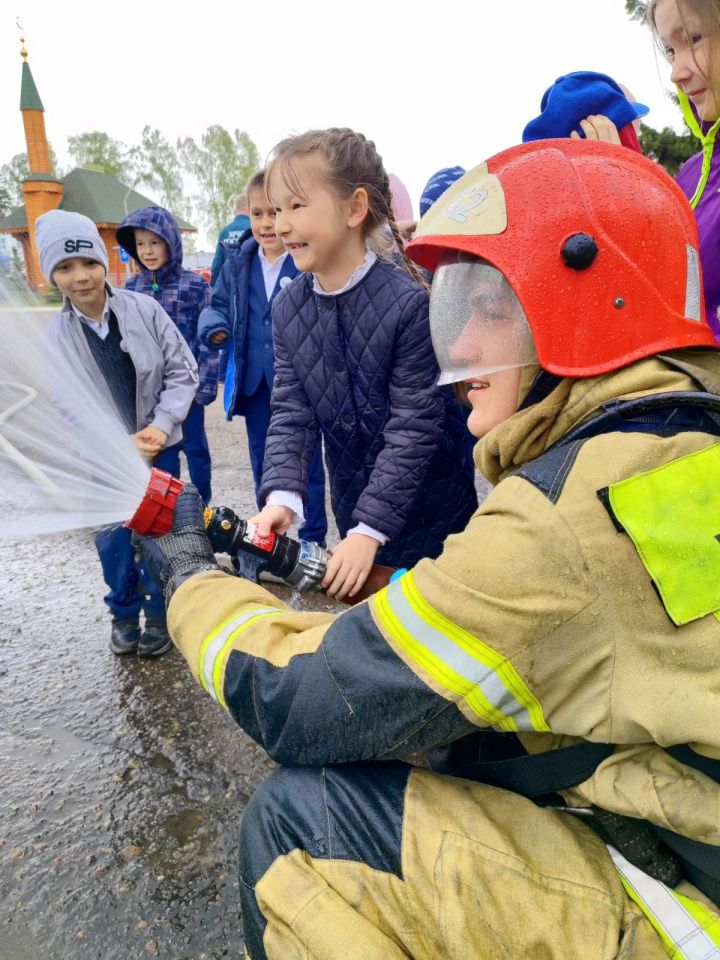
636,9
157,167
7,203
666,147
12,175
221,167
98,151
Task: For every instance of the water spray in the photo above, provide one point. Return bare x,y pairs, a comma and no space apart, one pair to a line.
16,456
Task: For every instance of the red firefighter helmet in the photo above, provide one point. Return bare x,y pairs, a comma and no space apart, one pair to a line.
597,242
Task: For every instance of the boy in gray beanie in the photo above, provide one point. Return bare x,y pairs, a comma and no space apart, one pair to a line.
61,234
128,341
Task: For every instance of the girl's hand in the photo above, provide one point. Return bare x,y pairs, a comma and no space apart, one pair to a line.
349,566
149,441
598,127
219,337
272,518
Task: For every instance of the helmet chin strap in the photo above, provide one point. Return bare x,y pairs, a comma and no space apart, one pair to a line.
540,386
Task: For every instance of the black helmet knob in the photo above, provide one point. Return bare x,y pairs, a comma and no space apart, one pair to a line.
579,251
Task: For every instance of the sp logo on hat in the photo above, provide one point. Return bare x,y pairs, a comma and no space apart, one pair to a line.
75,246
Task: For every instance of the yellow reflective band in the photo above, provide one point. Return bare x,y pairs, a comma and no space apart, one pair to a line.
456,660
215,648
688,930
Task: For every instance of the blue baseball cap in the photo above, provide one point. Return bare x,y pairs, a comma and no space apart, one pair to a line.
576,96
437,185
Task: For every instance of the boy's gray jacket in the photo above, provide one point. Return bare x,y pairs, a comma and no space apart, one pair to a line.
167,376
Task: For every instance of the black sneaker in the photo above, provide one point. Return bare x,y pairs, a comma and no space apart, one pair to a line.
124,636
155,639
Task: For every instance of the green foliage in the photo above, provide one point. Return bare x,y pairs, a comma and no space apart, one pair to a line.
6,203
667,148
98,151
221,167
12,175
156,166
636,9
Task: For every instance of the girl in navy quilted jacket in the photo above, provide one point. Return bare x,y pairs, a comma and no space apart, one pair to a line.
353,357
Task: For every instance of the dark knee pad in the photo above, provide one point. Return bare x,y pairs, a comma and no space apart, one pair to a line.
348,812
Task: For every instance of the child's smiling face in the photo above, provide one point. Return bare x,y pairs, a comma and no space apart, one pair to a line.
82,281
262,224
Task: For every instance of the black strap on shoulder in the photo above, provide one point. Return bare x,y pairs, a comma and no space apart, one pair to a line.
668,413
539,776
663,414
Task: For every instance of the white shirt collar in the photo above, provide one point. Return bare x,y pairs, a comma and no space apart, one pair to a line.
355,278
82,316
271,270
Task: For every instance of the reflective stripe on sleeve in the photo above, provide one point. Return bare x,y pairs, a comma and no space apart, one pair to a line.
456,660
216,646
688,930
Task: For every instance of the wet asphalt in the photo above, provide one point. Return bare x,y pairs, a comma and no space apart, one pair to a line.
123,783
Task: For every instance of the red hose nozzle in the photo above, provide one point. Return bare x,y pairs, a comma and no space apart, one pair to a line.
157,507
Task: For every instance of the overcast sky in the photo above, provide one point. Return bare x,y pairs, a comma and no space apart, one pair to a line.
432,85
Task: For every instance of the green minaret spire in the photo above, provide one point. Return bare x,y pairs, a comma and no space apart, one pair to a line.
29,96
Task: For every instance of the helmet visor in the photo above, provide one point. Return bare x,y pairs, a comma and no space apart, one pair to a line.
476,322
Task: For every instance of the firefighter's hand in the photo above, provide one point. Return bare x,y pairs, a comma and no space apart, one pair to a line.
149,440
349,566
185,550
598,127
272,519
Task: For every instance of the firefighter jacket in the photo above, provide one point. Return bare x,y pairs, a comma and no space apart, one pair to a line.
548,616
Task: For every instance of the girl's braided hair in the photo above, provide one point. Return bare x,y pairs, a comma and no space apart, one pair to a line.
351,161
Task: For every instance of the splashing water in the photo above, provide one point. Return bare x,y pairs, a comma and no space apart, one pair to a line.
66,459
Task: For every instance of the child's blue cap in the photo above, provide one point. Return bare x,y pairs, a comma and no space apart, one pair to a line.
576,96
437,185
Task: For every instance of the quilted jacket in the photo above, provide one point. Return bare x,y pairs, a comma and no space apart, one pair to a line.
359,365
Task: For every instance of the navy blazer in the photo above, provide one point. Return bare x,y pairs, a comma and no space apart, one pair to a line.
229,312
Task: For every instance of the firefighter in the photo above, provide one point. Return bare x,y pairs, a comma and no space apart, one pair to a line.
558,664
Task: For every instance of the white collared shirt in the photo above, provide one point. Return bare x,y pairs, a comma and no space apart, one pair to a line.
355,277
271,270
100,329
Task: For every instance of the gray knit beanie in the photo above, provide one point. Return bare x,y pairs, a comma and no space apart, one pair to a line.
60,234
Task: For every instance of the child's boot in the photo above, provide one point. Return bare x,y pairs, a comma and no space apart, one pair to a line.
155,639
125,636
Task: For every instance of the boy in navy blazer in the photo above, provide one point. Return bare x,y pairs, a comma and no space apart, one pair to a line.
239,317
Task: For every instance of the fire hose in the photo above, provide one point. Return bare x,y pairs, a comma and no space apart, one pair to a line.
298,563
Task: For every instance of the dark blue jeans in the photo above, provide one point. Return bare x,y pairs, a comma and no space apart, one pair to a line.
257,420
197,451
126,578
